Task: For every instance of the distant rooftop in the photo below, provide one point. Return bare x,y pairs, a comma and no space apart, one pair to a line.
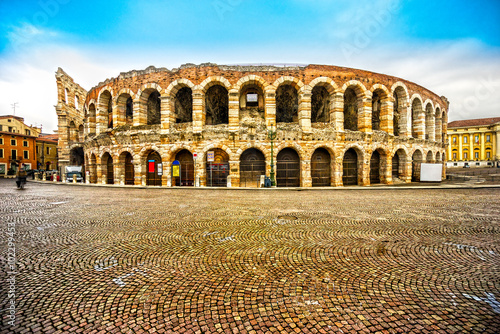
474,122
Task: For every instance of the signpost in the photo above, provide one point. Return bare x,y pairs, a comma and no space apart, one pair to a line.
210,159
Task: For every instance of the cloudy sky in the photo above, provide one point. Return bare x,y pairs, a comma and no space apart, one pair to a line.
451,47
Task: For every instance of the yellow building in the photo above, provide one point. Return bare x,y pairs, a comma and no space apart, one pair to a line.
474,142
46,152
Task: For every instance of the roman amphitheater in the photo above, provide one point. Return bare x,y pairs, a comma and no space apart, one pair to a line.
216,125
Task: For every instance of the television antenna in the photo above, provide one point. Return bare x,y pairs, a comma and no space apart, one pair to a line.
14,107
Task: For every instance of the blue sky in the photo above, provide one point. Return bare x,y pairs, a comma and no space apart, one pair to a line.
449,47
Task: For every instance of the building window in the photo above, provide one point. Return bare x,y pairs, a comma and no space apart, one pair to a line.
13,142
465,139
26,154
11,129
66,95
25,143
28,132
465,155
37,150
1,141
454,140
1,127
476,155
13,154
476,139
488,155
48,150
488,138
3,169
76,102
1,152
454,156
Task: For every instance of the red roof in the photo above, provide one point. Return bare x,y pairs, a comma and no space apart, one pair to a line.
473,122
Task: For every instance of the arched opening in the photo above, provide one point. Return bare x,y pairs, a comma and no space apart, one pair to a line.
376,108
72,135
395,166
287,104
184,105
154,108
399,111
76,157
252,166
218,169
125,106
129,170
350,110
252,103
154,169
417,129
107,163
81,137
320,105
429,157
416,161
350,168
288,168
438,127
438,157
429,122
185,175
106,106
321,168
375,168
217,105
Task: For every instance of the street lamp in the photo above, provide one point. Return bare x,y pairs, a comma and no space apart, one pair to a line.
271,134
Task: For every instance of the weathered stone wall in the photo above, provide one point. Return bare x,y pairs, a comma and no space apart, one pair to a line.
421,131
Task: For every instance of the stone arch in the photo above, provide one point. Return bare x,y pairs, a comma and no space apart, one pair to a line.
72,132
105,109
91,118
400,109
295,146
148,109
417,117
429,120
254,85
257,146
429,157
382,109
125,167
417,158
354,96
288,168
352,166
252,163
125,106
287,99
322,163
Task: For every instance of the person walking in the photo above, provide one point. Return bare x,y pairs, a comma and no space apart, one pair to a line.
21,177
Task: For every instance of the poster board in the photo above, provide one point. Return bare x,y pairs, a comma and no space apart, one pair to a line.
431,172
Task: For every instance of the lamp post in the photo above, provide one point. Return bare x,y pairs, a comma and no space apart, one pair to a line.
271,134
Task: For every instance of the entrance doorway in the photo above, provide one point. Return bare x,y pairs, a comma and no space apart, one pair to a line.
395,166
320,168
415,171
350,168
186,176
154,170
288,168
218,170
252,166
129,170
375,168
107,161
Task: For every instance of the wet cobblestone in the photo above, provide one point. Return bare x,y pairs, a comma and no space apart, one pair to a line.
111,260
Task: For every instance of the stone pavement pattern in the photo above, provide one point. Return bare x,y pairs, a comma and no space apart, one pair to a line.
111,260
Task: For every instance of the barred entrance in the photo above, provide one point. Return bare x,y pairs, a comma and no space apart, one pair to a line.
186,176
321,168
154,169
288,168
129,170
252,166
395,166
415,171
375,168
218,170
350,168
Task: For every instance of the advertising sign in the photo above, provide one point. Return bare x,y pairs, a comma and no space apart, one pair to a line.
160,169
210,156
151,166
175,171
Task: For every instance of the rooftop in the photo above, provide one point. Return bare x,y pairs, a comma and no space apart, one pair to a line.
473,122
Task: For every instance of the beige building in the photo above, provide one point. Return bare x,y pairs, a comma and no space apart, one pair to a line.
46,152
474,142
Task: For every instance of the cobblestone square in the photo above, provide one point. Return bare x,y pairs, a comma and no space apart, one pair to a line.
122,260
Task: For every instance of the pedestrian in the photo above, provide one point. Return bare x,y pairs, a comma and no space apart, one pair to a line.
21,177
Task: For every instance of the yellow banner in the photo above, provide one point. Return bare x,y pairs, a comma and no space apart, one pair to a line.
175,171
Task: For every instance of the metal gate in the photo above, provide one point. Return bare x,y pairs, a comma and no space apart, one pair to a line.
320,168
395,166
153,169
252,166
375,168
129,170
217,174
350,168
288,169
109,171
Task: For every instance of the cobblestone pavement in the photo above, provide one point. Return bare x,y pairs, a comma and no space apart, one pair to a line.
113,260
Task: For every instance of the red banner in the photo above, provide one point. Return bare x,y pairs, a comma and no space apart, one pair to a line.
151,167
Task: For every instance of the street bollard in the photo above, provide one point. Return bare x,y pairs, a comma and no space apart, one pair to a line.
44,177
74,178
54,177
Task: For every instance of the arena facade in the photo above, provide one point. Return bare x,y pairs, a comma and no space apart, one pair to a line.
209,125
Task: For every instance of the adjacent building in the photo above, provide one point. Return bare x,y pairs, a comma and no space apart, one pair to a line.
46,151
17,144
474,142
